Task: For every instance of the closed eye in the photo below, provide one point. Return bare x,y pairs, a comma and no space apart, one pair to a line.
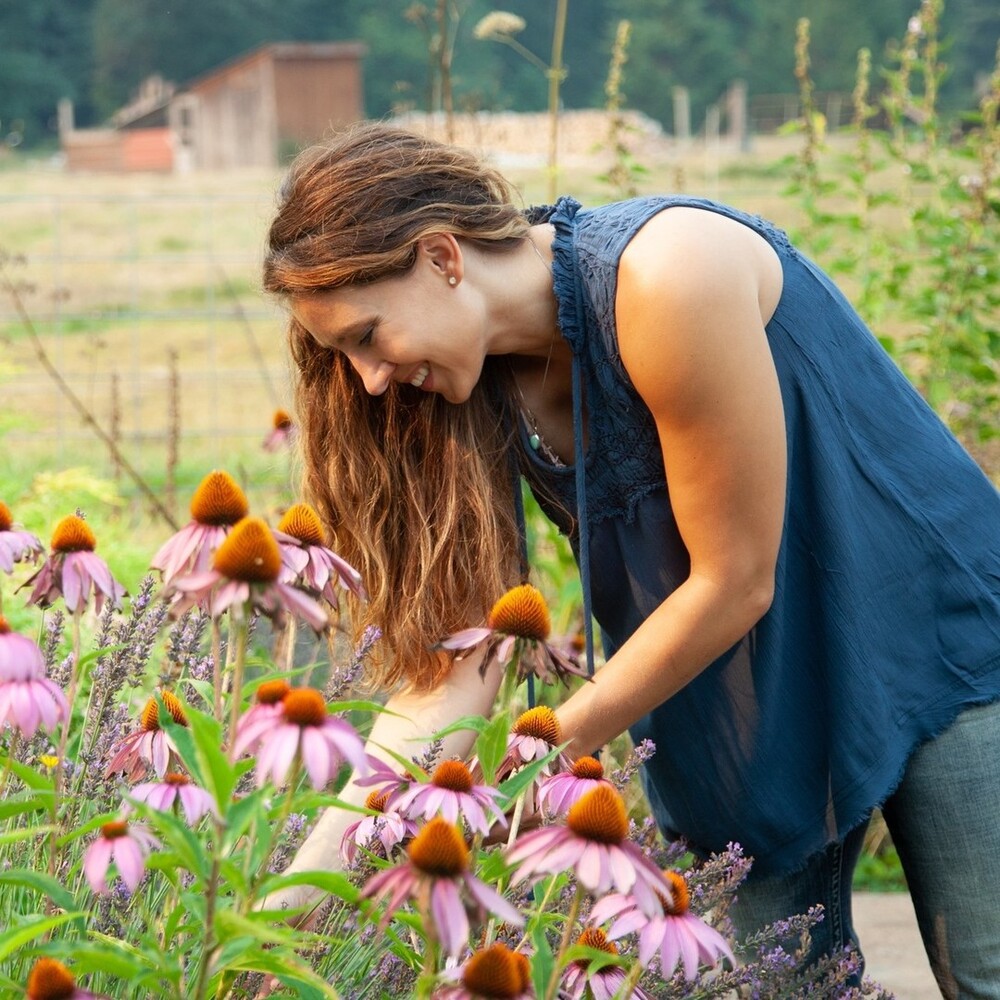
368,336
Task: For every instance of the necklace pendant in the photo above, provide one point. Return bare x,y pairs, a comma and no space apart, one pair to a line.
534,441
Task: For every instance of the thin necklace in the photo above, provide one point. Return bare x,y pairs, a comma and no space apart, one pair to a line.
535,441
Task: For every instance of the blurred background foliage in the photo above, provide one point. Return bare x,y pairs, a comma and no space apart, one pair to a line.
96,52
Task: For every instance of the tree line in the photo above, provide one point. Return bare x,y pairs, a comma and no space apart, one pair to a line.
96,52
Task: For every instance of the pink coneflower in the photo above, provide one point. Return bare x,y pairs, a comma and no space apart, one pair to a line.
517,628
218,503
675,932
282,432
534,735
267,701
451,793
304,727
176,790
28,699
435,876
72,571
307,561
15,545
594,842
125,845
149,745
578,982
558,792
245,572
493,973
51,980
390,827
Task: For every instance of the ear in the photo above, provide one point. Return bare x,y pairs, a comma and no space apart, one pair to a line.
442,252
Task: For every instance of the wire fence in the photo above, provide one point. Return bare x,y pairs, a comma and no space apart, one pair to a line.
147,305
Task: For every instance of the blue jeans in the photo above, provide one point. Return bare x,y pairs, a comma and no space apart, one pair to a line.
945,823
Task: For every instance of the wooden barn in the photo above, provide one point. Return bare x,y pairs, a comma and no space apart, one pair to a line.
251,112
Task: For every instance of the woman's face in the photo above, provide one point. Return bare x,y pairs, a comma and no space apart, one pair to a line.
415,328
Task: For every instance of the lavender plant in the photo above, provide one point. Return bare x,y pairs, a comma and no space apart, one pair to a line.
140,850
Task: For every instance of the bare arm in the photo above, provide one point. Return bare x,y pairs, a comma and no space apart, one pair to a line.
461,693
695,290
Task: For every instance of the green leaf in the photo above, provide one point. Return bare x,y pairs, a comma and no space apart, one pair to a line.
15,836
176,833
413,770
362,706
543,962
31,777
45,884
39,802
218,774
299,977
516,783
334,883
491,745
477,723
18,937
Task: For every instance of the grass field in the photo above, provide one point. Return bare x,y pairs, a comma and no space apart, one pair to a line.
144,292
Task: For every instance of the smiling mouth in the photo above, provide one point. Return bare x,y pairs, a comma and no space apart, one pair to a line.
418,379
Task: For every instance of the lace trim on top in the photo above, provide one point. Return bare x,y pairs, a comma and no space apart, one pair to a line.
624,459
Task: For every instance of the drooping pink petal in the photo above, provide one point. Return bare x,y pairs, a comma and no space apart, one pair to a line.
589,867
159,752
129,858
21,658
303,606
711,944
196,802
24,710
651,938
50,702
466,638
623,872
276,754
492,901
318,758
72,582
96,859
349,745
451,923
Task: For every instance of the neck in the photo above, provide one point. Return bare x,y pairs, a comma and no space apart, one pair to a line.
525,308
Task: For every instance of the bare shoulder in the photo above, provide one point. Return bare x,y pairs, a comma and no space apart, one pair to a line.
697,258
695,292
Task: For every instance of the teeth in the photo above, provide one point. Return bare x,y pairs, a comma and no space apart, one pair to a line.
418,379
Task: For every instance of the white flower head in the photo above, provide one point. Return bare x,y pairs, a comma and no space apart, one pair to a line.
499,22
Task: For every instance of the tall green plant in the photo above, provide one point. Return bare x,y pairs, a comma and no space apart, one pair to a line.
501,26
913,221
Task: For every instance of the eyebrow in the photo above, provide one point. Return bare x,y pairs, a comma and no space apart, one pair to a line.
349,332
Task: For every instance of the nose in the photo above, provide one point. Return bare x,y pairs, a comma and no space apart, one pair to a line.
375,375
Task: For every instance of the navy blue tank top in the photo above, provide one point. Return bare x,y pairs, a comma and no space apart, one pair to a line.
885,621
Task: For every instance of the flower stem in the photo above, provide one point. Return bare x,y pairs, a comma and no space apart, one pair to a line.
509,686
238,635
574,912
428,975
211,892
217,668
289,644
60,768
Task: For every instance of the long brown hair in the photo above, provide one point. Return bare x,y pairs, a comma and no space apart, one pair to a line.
416,492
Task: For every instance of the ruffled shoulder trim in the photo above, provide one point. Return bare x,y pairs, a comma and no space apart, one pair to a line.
565,274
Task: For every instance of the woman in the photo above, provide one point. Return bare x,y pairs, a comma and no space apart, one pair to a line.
807,625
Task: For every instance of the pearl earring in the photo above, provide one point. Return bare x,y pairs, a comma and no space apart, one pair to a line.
453,281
